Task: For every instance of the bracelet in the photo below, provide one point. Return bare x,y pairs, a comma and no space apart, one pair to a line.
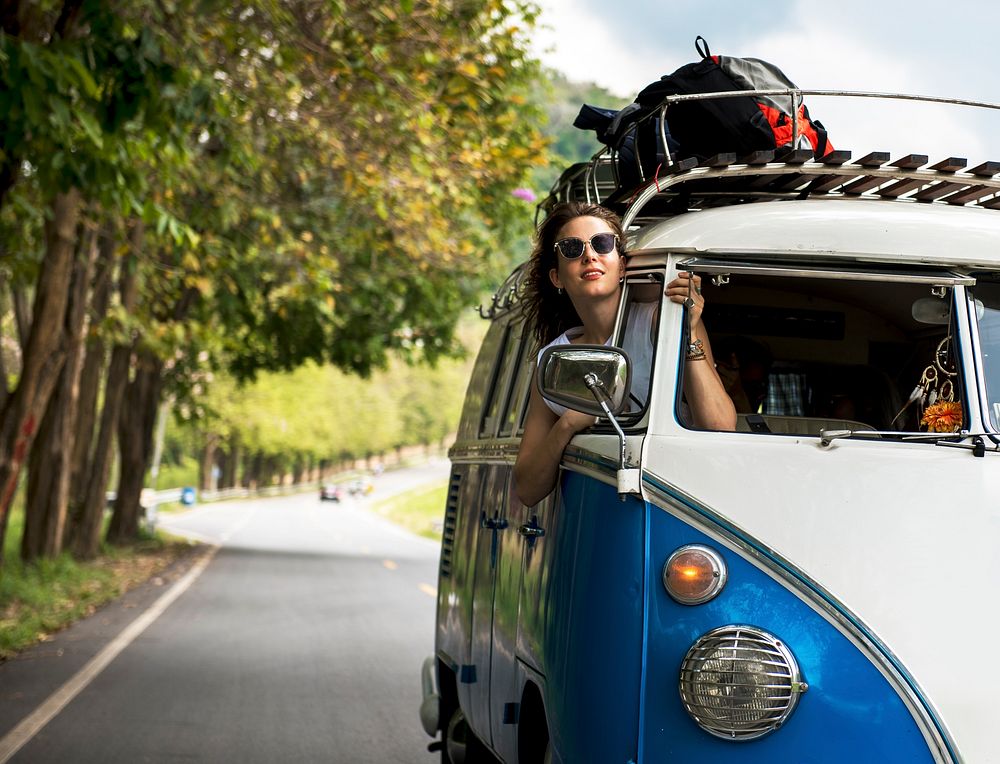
696,351
697,357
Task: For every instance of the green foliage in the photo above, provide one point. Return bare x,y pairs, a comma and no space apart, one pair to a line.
562,102
420,510
325,413
183,472
49,594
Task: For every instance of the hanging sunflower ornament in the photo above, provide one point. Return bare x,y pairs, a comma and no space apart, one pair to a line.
944,413
943,416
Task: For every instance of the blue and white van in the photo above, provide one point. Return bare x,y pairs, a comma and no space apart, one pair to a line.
822,584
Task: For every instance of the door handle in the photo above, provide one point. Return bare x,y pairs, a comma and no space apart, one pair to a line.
531,531
492,523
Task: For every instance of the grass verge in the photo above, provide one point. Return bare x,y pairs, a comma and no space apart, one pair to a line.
43,597
420,510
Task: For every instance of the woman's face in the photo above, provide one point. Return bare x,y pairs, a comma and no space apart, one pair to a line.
590,276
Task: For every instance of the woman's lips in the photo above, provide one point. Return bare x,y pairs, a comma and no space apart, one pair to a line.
591,275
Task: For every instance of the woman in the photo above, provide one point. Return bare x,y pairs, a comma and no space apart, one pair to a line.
573,290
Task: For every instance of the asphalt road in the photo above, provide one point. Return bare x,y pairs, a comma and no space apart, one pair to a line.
301,640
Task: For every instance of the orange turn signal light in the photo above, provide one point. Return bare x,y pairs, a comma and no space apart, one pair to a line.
694,574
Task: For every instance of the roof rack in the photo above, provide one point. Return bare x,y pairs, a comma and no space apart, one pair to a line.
683,184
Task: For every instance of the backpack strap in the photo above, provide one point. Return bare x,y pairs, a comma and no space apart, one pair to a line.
701,45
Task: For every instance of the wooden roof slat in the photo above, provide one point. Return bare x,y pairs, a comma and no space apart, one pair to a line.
720,160
992,204
986,169
938,190
865,183
951,164
757,157
910,161
899,187
874,159
836,158
683,165
970,194
822,185
796,156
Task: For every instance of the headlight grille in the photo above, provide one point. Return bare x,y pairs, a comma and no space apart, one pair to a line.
739,683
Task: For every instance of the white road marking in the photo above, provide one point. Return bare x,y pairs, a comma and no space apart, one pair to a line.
18,737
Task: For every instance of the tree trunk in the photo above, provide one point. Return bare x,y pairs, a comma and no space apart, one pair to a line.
51,463
44,354
135,446
85,527
207,465
90,378
231,465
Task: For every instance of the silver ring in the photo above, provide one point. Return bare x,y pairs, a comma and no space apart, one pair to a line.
697,288
688,302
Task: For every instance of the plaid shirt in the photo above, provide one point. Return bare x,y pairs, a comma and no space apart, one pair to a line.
786,394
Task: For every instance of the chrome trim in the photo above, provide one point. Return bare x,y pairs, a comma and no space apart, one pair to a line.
671,499
736,646
712,265
978,378
719,568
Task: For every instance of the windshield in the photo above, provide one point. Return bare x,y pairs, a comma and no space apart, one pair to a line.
987,296
848,351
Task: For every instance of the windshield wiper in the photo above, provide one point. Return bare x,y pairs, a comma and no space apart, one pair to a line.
948,439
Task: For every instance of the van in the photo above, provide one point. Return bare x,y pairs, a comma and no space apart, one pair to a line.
820,585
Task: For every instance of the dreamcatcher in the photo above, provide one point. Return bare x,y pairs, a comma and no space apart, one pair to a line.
934,394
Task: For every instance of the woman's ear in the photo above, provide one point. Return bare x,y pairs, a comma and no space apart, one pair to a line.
554,278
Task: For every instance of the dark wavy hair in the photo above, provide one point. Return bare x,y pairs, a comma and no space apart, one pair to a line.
549,313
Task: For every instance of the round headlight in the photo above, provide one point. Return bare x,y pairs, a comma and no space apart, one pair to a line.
739,682
694,574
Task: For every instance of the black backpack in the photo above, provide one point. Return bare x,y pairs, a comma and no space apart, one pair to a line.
704,128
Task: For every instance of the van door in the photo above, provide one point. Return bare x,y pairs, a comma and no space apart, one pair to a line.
493,527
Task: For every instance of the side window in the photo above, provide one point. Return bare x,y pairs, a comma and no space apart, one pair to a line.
987,302
799,355
517,396
497,391
637,337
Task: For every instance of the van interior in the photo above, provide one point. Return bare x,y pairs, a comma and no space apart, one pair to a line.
806,352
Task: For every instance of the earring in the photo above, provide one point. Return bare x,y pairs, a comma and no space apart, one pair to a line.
559,290
621,280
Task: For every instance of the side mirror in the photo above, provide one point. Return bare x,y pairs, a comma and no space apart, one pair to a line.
594,379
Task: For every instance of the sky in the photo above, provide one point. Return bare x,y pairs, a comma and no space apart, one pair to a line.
923,47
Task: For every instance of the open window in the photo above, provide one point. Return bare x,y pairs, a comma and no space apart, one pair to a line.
807,348
636,335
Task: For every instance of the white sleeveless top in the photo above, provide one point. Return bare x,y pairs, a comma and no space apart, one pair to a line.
638,345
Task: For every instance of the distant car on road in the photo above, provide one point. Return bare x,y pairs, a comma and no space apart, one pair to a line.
329,492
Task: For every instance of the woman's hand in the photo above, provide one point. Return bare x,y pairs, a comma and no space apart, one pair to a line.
685,286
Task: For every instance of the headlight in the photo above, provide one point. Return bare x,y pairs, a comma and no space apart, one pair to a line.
694,574
740,683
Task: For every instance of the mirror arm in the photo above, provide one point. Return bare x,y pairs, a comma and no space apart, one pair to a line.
625,476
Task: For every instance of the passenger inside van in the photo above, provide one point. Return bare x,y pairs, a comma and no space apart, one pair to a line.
572,296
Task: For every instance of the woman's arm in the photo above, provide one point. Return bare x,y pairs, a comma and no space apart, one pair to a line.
545,438
710,404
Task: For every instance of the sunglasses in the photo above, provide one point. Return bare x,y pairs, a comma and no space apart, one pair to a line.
572,247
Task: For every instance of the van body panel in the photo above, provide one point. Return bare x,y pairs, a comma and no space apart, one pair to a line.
812,507
593,586
839,228
834,719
